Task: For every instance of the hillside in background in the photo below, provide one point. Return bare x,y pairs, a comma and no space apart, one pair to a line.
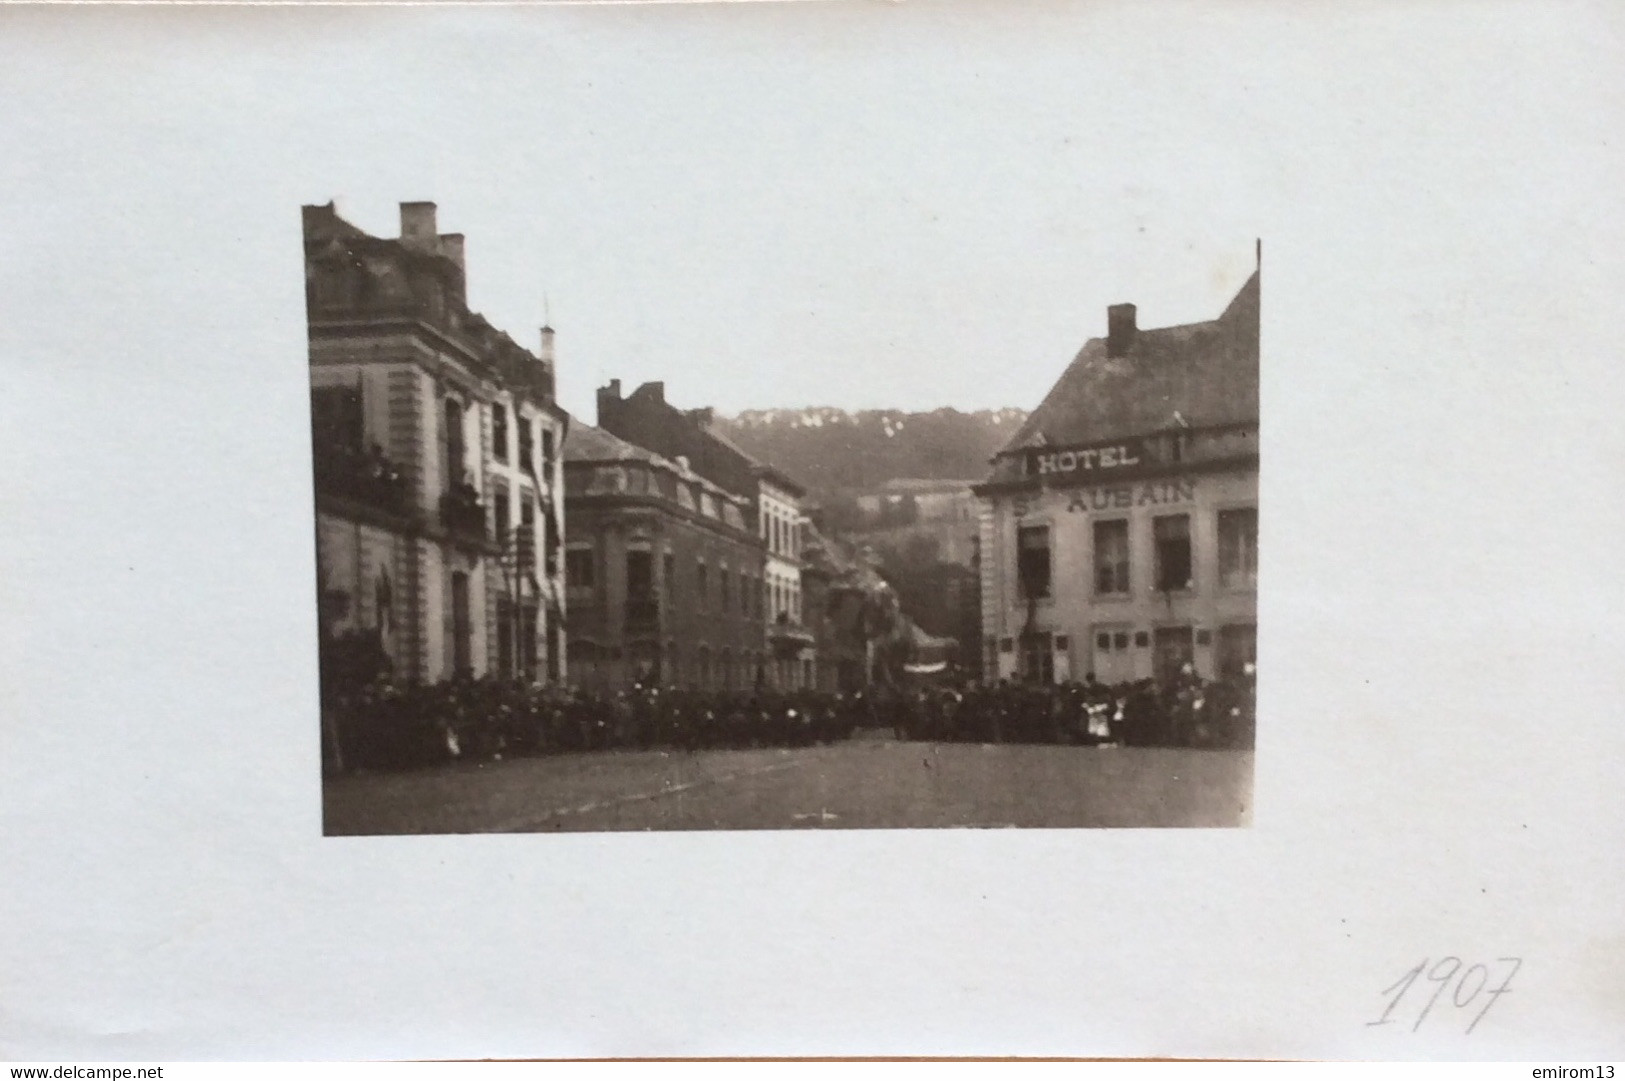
838,454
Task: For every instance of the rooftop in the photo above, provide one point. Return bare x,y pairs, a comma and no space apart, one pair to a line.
587,445
1198,375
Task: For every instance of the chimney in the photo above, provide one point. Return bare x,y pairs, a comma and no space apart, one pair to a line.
1120,329
703,416
654,392
451,246
546,350
417,223
609,398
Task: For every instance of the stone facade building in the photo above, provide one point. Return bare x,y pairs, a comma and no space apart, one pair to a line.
664,571
1119,527
438,478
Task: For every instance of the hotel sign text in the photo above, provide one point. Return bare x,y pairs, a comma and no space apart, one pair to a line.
1085,459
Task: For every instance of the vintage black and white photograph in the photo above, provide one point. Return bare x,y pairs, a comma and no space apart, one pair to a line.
578,530
647,613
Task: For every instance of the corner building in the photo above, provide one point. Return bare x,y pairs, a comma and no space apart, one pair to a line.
664,572
436,449
1119,527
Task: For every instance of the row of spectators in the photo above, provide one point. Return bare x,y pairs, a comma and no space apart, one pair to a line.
1186,712
385,726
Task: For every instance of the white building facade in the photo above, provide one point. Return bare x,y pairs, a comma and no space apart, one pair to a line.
1119,530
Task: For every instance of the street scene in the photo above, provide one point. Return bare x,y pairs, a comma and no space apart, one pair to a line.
661,616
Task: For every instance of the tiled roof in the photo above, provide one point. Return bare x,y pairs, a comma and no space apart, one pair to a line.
1207,373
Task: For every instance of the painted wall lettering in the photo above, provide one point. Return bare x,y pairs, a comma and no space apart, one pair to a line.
1118,497
1117,456
1126,496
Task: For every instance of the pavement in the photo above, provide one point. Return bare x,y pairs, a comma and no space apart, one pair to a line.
858,784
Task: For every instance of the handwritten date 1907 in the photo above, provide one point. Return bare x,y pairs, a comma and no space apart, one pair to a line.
1470,983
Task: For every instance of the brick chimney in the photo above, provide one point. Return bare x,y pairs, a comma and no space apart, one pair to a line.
1120,330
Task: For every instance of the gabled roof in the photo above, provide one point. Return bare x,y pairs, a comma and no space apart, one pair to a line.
1197,375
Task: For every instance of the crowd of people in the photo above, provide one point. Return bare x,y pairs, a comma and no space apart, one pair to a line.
385,726
1187,711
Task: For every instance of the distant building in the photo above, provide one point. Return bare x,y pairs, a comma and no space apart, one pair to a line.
932,500
437,473
905,510
664,571
848,607
644,418
1119,527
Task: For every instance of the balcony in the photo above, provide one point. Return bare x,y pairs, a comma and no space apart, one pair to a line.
342,469
788,638
462,515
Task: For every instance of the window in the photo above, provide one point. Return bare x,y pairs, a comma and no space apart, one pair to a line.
747,588
499,505
579,568
668,574
526,461
1172,533
1111,556
702,585
1238,548
1103,641
727,589
335,414
1120,640
454,442
639,575
462,627
1032,561
525,542
547,455
499,431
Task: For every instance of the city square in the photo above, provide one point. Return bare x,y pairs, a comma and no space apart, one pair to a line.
862,783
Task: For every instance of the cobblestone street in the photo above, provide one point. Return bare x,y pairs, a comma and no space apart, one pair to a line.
856,784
